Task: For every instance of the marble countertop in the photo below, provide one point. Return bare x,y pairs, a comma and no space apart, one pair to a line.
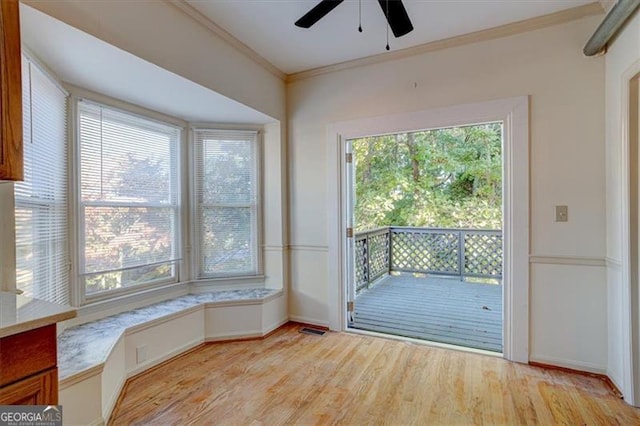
87,345
21,313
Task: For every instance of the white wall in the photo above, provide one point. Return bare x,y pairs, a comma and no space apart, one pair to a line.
567,150
621,56
274,206
160,33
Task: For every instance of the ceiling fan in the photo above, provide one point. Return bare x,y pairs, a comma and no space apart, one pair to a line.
393,10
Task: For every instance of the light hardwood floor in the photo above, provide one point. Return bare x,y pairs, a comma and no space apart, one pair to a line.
294,378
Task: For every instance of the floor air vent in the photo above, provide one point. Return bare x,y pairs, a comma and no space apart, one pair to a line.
312,331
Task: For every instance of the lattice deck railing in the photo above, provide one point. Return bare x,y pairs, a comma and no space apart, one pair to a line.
438,251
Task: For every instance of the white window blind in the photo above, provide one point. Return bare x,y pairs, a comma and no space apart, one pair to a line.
226,197
41,209
129,199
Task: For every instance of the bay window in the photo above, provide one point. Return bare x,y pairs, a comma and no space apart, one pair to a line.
124,202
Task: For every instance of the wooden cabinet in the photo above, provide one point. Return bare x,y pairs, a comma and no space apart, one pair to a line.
29,374
11,163
41,389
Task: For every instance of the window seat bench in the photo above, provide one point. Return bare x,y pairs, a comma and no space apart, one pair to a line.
97,357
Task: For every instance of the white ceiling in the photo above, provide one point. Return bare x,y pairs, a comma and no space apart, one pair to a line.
267,26
88,62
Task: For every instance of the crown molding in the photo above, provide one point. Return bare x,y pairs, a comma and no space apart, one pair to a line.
564,16
203,20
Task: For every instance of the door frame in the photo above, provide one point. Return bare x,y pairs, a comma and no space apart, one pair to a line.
630,277
514,113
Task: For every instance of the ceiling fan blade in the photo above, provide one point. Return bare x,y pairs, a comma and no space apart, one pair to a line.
397,17
317,13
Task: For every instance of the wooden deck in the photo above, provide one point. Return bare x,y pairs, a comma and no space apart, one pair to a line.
436,309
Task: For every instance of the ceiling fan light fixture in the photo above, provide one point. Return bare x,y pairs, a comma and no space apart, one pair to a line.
387,15
394,11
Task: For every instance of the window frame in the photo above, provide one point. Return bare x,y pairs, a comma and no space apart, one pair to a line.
39,204
197,275
79,290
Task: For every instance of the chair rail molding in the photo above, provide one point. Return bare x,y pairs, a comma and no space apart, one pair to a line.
568,260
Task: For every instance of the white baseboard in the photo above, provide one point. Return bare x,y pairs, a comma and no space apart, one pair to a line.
567,363
255,334
233,336
113,400
275,326
98,422
307,320
617,381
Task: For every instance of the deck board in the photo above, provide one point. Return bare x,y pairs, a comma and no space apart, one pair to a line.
437,309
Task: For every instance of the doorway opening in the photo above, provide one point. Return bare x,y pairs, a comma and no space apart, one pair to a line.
425,259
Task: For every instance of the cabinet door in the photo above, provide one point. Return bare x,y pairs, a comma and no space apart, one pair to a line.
11,90
41,389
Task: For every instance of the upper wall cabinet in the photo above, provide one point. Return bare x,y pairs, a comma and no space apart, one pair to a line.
11,88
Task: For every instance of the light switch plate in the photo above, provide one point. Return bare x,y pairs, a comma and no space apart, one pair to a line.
562,214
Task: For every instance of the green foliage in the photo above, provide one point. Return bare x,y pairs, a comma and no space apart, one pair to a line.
437,178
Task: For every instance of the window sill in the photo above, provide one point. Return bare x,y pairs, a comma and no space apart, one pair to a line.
125,302
98,309
123,292
223,283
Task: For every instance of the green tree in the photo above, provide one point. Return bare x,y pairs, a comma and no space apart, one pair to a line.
436,178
